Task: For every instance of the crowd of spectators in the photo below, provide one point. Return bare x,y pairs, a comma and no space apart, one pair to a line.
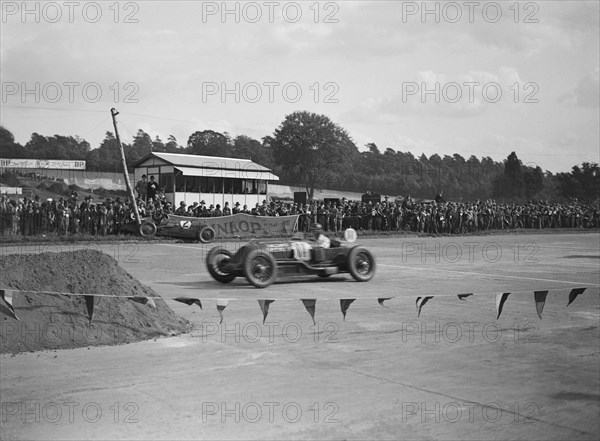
71,216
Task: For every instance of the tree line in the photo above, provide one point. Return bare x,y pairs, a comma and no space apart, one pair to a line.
312,151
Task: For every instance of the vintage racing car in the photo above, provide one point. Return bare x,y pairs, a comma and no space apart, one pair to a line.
260,262
191,228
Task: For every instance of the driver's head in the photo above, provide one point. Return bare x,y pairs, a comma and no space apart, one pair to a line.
316,229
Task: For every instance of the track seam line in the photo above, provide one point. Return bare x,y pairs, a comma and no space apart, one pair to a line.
485,274
466,401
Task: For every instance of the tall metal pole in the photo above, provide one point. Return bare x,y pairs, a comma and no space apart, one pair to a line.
138,220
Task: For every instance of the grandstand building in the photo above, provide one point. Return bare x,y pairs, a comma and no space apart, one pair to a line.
212,179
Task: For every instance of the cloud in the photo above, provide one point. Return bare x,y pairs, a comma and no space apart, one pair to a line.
586,93
438,94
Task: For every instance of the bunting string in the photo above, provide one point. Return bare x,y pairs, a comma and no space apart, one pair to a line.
539,297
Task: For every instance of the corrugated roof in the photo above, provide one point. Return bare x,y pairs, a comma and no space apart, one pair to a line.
221,173
218,162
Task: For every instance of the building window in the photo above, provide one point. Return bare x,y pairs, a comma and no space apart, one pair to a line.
166,182
262,187
179,183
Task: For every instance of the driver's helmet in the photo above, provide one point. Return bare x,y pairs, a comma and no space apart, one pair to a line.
316,227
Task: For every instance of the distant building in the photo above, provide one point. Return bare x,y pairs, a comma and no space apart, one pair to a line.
212,179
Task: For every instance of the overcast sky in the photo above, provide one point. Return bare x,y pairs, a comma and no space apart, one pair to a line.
479,78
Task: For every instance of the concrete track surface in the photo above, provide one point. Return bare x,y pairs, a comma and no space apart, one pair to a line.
455,372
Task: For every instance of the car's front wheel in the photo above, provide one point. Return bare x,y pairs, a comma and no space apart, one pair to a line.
206,234
361,264
215,260
260,268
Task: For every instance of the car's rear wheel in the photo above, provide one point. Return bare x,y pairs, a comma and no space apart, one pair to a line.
361,264
260,268
206,234
215,261
147,228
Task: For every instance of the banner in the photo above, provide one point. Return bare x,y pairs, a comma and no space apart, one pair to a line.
42,163
235,226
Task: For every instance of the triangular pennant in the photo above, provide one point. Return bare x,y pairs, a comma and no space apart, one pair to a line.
151,303
421,302
7,296
310,305
221,305
139,299
540,301
345,304
500,300
574,293
464,296
189,301
264,307
383,299
89,304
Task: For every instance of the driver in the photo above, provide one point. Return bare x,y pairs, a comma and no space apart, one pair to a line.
318,236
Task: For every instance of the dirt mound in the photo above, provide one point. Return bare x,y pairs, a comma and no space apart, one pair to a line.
53,321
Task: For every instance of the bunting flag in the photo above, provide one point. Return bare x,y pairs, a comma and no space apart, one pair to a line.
89,304
310,305
574,293
189,301
345,304
221,305
540,301
383,299
500,300
464,296
7,296
143,300
264,307
421,302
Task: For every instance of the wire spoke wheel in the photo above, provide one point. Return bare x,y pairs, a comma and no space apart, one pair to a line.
216,262
361,264
260,268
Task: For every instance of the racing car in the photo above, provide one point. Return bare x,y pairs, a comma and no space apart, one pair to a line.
192,228
261,261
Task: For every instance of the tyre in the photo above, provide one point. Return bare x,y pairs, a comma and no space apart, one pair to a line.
361,264
206,234
215,261
147,228
260,268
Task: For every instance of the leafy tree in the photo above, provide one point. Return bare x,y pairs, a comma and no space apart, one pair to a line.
158,145
8,147
582,183
533,181
312,148
208,143
172,146
510,185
